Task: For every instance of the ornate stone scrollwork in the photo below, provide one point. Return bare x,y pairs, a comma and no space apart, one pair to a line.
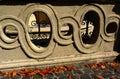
39,27
43,15
8,25
111,28
93,17
65,29
70,25
63,38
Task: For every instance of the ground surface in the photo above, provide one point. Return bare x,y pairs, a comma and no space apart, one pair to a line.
106,70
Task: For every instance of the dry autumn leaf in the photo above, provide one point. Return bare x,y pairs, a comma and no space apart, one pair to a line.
93,66
70,67
113,64
2,73
70,75
112,77
26,71
58,69
105,70
99,77
20,73
13,73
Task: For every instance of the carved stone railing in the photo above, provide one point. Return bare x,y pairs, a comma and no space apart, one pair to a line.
36,34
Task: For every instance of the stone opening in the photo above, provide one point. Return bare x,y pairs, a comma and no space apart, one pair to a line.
40,29
111,27
91,27
10,31
66,29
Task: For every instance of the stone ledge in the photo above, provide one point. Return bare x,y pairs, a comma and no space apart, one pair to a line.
87,58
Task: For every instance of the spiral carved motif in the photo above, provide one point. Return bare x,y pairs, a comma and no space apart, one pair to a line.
111,28
66,21
7,21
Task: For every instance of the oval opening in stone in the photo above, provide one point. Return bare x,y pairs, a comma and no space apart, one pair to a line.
40,29
66,29
90,27
111,27
10,31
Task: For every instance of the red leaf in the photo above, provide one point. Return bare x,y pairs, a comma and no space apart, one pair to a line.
92,66
31,74
99,77
70,76
20,73
112,77
13,73
70,67
2,73
105,70
26,71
